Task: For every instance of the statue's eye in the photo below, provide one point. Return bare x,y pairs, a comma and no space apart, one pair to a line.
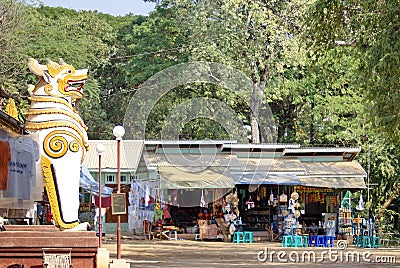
69,71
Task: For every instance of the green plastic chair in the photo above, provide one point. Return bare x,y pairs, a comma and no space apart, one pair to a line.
248,237
238,237
376,241
287,241
305,240
366,241
297,241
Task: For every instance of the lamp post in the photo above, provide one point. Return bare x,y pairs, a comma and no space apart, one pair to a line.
100,149
118,132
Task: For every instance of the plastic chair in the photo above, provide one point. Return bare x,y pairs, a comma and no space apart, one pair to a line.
358,241
248,237
376,241
312,240
366,242
175,234
238,237
297,241
329,241
320,241
287,241
305,240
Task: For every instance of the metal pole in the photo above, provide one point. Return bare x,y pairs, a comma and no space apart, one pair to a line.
100,217
118,191
368,180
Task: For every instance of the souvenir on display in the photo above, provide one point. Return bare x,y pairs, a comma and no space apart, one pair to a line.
283,198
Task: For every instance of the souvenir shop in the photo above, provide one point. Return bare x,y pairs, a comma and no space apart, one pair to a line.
294,209
19,188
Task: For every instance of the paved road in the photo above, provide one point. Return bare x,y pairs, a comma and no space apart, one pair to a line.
186,253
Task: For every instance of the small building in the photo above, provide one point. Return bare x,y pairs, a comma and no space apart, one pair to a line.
192,178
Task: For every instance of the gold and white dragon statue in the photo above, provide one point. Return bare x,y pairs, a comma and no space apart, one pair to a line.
62,135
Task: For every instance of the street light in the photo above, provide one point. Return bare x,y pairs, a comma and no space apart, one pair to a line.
118,132
100,149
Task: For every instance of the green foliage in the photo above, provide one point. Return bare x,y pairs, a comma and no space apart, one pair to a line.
371,29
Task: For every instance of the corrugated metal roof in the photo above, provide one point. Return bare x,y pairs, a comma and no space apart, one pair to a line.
334,182
323,150
262,145
191,160
188,142
334,169
284,165
131,153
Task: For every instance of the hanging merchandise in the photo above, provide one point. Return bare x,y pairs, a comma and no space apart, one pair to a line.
360,205
283,198
202,202
294,196
291,205
271,197
250,203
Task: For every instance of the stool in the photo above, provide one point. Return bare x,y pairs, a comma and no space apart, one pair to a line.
248,237
305,240
366,242
329,241
287,241
313,240
320,241
358,241
376,241
197,237
238,237
175,234
297,241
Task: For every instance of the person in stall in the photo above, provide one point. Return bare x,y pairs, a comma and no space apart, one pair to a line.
313,229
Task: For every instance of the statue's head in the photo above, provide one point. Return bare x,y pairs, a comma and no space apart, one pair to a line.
58,80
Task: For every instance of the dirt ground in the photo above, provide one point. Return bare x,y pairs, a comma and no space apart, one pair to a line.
188,253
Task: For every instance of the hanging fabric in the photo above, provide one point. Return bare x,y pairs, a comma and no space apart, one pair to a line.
360,205
202,202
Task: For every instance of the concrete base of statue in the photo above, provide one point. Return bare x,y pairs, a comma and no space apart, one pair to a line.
33,245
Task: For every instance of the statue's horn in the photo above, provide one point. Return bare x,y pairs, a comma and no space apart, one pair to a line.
35,67
55,65
61,61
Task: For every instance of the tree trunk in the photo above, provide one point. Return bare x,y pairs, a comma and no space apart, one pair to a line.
256,102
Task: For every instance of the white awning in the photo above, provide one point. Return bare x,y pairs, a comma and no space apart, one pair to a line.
189,178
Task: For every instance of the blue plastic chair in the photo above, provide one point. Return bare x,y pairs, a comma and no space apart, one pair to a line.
329,241
320,241
312,241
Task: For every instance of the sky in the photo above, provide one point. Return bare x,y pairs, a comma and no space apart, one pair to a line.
113,7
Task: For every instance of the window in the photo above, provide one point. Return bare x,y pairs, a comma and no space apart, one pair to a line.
110,179
123,178
132,178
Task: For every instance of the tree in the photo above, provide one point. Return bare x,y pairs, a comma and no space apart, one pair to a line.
82,39
370,29
12,40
